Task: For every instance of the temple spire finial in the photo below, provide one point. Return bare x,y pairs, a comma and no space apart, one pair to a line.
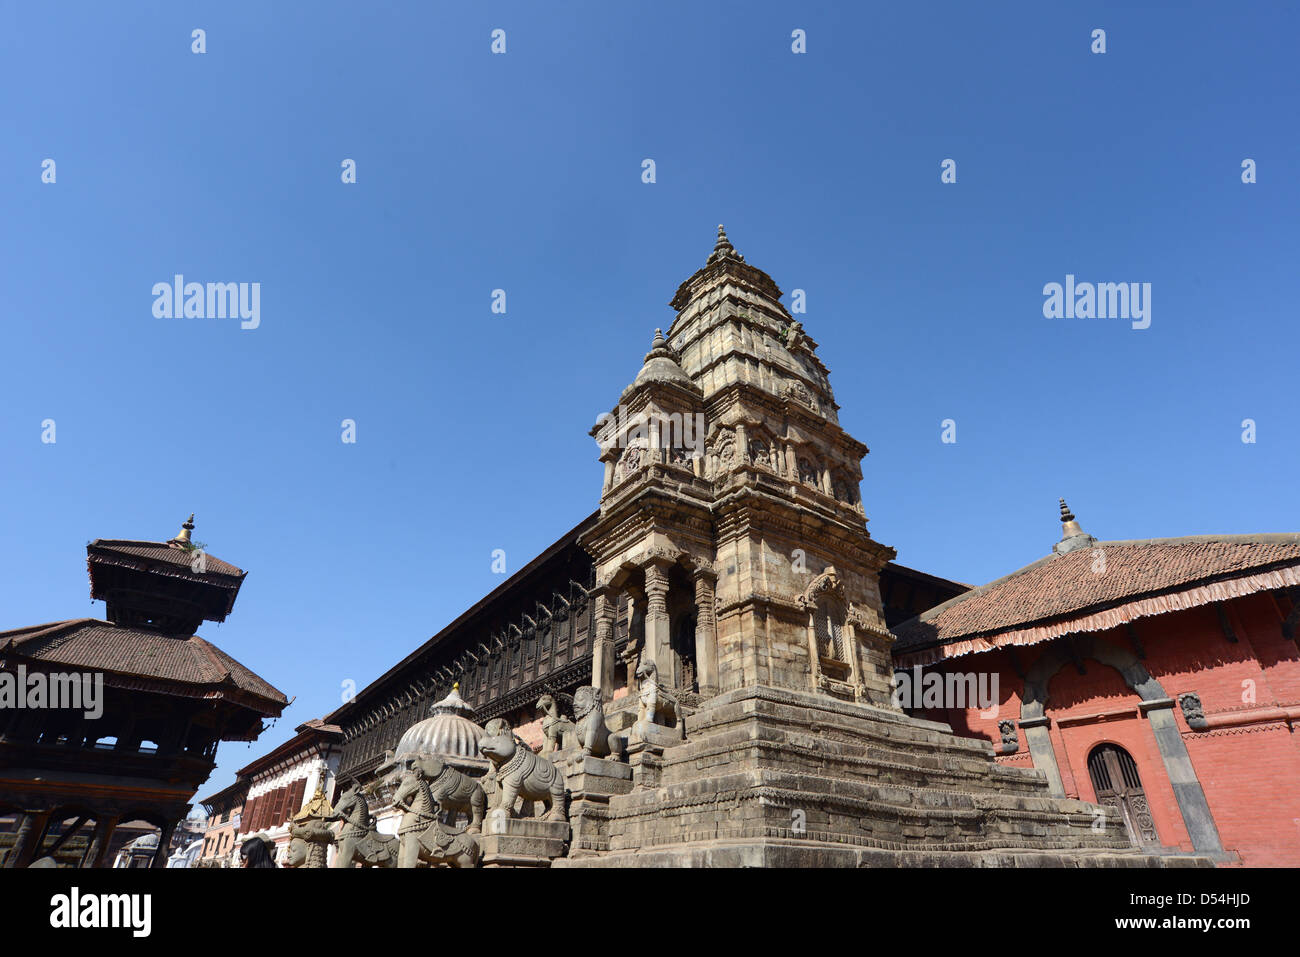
183,536
723,247
1069,527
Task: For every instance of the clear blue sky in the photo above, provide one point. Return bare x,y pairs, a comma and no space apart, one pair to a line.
522,171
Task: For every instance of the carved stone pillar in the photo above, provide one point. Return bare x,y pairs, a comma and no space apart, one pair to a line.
791,462
99,841
609,475
706,634
602,649
742,443
28,840
658,629
636,602
164,846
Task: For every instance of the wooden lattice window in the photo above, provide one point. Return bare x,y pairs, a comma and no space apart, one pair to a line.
828,627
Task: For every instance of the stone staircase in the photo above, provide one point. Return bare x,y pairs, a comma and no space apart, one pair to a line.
771,777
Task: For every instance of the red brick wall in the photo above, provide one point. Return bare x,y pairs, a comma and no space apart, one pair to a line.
1250,772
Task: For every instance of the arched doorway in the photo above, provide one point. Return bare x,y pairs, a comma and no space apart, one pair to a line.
1116,781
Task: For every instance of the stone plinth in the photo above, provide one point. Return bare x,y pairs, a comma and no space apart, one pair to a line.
592,782
654,734
521,842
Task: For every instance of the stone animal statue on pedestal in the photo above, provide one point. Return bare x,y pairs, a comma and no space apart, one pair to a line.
594,735
455,792
359,841
561,733
422,835
655,704
521,773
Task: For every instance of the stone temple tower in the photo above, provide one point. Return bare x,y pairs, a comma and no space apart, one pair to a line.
730,515
732,532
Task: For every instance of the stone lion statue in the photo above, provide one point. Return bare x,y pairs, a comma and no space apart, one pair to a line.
593,734
520,772
655,704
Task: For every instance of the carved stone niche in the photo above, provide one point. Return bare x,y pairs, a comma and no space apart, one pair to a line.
831,644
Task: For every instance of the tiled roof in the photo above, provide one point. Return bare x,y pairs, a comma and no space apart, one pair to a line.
1106,582
92,645
171,554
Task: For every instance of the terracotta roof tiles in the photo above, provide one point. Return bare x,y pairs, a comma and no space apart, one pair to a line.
93,645
1054,593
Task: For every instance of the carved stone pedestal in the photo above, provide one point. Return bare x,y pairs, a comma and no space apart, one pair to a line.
646,762
521,842
592,782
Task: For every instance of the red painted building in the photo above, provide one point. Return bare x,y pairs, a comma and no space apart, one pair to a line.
1159,676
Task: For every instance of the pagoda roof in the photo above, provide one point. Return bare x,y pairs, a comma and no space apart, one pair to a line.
144,659
168,553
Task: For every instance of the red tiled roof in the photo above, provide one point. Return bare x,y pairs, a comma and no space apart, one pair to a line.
171,554
93,645
1077,592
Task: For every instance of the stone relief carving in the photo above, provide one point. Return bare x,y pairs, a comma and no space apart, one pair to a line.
828,582
1190,702
635,455
1010,737
808,472
725,450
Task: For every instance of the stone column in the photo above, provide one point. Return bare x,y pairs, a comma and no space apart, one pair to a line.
99,841
742,443
28,840
636,602
164,846
609,475
706,634
1187,787
658,628
602,649
1039,737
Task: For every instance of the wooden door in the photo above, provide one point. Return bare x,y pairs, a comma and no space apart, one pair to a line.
1115,778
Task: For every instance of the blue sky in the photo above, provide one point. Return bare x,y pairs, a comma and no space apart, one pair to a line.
522,172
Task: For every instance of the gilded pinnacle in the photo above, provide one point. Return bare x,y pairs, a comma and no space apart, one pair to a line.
183,536
1069,527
